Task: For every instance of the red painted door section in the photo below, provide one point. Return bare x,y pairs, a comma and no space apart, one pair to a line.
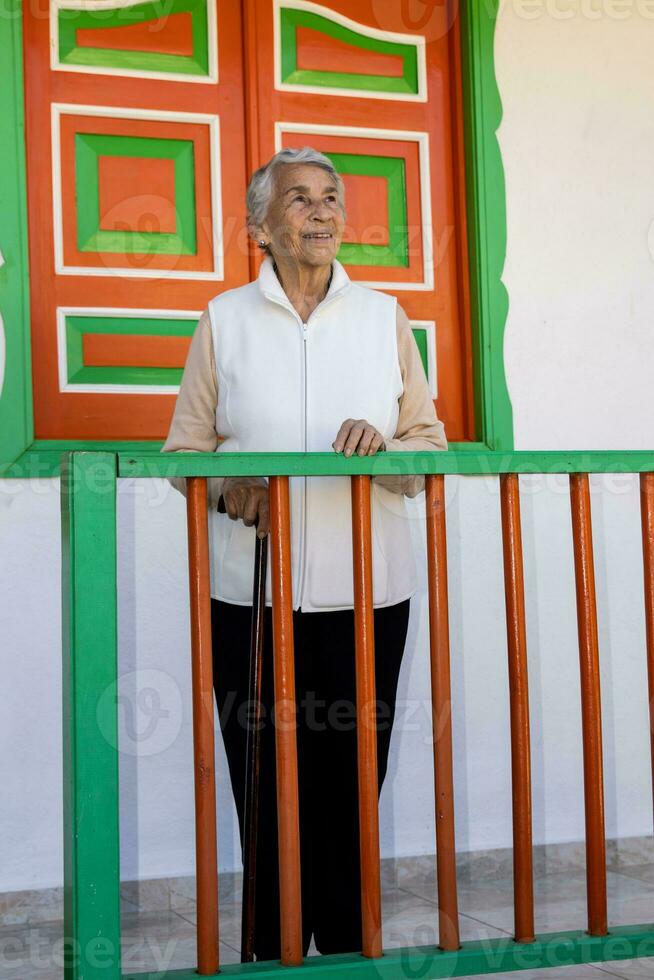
144,121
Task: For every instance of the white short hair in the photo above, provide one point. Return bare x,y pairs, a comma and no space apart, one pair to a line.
262,184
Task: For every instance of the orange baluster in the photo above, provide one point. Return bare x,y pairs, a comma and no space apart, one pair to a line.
366,728
514,591
285,723
206,851
647,519
441,700
591,705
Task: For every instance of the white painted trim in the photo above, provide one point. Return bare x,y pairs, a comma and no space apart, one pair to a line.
124,112
122,389
115,112
57,65
417,40
422,139
124,313
432,376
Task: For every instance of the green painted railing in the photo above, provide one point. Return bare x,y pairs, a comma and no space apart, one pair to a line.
91,825
464,462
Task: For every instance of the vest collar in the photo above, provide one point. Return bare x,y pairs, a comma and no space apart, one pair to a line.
271,287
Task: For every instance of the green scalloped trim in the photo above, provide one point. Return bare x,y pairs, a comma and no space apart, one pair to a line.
486,199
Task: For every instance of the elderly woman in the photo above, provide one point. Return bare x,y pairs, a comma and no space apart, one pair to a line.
305,360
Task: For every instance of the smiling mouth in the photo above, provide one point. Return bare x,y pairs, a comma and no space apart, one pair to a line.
320,236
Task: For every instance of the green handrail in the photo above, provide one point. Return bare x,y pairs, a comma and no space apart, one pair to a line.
464,462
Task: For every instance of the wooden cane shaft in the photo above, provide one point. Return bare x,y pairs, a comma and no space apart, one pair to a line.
253,753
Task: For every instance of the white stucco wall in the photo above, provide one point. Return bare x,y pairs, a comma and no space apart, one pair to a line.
578,145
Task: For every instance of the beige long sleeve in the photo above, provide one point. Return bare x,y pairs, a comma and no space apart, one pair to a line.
418,427
193,427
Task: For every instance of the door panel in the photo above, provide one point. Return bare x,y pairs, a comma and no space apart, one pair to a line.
134,206
368,92
143,126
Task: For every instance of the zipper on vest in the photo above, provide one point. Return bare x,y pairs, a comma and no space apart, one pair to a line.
305,332
303,527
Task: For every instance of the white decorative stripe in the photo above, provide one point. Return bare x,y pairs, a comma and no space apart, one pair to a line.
417,40
116,112
57,65
123,112
422,139
123,313
103,389
432,375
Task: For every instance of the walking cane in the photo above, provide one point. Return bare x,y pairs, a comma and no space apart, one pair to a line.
252,749
251,814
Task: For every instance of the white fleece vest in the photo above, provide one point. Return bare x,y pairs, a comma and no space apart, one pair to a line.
285,386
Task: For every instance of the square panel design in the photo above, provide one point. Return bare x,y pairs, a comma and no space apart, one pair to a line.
93,235
390,220
176,41
136,193
105,351
388,238
321,50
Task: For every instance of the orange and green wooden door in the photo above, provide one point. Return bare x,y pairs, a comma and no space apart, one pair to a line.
144,122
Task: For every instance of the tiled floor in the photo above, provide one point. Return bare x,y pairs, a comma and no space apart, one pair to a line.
166,940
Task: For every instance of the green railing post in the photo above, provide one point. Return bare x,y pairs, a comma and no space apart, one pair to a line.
91,844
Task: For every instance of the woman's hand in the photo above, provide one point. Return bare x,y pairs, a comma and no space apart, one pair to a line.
357,435
246,498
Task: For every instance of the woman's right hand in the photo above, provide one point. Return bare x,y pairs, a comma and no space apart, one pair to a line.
246,499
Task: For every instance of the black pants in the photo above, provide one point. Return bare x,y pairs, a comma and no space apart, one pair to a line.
327,760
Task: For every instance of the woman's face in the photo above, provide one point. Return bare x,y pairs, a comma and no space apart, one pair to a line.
305,220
